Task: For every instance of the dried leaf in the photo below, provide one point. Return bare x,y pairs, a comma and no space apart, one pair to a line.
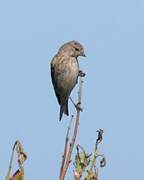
18,175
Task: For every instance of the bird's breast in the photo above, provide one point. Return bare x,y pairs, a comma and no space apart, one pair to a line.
68,73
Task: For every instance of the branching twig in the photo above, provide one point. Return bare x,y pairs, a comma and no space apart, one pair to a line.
67,159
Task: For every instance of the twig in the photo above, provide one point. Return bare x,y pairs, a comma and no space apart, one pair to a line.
98,141
66,147
11,161
72,143
21,158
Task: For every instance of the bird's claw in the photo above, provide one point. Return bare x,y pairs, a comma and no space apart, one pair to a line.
81,73
78,106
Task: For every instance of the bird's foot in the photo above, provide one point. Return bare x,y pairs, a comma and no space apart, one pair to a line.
78,106
81,73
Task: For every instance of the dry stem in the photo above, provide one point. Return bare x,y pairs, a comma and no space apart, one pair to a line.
69,146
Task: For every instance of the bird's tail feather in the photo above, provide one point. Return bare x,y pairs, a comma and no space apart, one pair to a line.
64,109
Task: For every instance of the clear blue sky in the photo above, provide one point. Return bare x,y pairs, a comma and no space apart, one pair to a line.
112,32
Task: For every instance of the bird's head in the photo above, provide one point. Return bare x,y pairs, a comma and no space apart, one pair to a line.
72,49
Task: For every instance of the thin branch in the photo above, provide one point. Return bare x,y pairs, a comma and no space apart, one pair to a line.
20,159
66,147
11,161
72,143
98,141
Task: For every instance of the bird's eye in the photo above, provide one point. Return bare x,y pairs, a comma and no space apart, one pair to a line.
76,49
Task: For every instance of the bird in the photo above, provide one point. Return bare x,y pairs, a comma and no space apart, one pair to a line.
65,72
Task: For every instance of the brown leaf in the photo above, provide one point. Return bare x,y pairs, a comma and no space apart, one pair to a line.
17,175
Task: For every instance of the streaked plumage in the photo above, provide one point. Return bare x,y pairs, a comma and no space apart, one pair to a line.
64,72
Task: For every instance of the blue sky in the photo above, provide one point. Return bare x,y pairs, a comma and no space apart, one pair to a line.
113,35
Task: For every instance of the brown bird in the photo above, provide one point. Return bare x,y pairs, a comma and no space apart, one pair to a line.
65,71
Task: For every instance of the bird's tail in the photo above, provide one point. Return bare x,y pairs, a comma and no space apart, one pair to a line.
63,109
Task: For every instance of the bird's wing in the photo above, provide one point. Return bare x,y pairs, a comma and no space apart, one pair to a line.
55,81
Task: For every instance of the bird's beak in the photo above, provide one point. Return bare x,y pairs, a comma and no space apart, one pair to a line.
83,54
